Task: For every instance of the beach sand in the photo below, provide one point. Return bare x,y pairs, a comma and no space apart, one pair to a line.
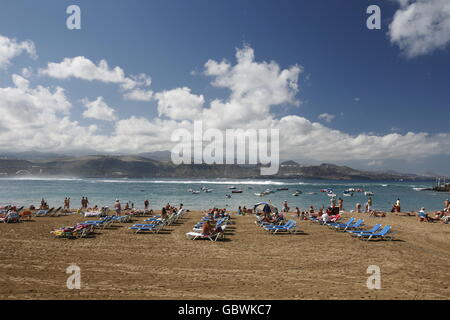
248,264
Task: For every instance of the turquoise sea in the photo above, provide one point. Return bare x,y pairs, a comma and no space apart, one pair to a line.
103,192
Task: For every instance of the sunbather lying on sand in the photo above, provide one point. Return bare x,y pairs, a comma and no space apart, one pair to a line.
379,214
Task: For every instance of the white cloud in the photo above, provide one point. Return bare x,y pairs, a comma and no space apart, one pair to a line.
38,118
139,95
134,87
179,104
11,48
326,117
421,26
98,109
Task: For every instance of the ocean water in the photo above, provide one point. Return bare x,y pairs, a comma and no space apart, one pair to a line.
103,192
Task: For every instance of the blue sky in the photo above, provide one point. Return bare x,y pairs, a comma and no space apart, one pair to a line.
366,82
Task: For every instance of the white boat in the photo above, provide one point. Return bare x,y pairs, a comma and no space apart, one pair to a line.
368,193
208,190
232,187
296,194
331,195
259,194
195,192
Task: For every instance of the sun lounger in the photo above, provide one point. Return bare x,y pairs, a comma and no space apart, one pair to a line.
374,229
152,228
10,217
289,226
357,225
384,234
336,224
218,234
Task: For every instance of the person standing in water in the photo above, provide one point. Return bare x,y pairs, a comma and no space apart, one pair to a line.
341,204
369,204
397,205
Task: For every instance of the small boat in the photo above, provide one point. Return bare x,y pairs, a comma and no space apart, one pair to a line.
282,189
208,190
190,190
311,193
237,191
331,195
195,192
259,194
295,194
368,193
227,196
347,193
232,188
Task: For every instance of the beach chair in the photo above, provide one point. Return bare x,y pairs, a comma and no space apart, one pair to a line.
337,224
43,213
289,226
384,234
374,229
103,223
10,217
357,225
218,234
152,228
26,214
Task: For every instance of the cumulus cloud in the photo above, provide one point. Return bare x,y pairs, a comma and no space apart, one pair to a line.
38,118
11,48
326,117
83,68
421,26
179,104
98,109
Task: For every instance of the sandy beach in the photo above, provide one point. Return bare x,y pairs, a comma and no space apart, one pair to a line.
248,264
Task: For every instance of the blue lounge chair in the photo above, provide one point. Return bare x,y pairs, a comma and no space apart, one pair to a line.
384,234
357,225
374,229
289,226
336,224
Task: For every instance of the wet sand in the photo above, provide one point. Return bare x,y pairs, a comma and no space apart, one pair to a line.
248,264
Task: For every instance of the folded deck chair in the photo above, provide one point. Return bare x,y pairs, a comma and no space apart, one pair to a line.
374,229
384,234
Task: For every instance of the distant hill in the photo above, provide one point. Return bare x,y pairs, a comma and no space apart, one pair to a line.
104,166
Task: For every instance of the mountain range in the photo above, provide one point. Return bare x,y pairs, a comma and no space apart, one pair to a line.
158,165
